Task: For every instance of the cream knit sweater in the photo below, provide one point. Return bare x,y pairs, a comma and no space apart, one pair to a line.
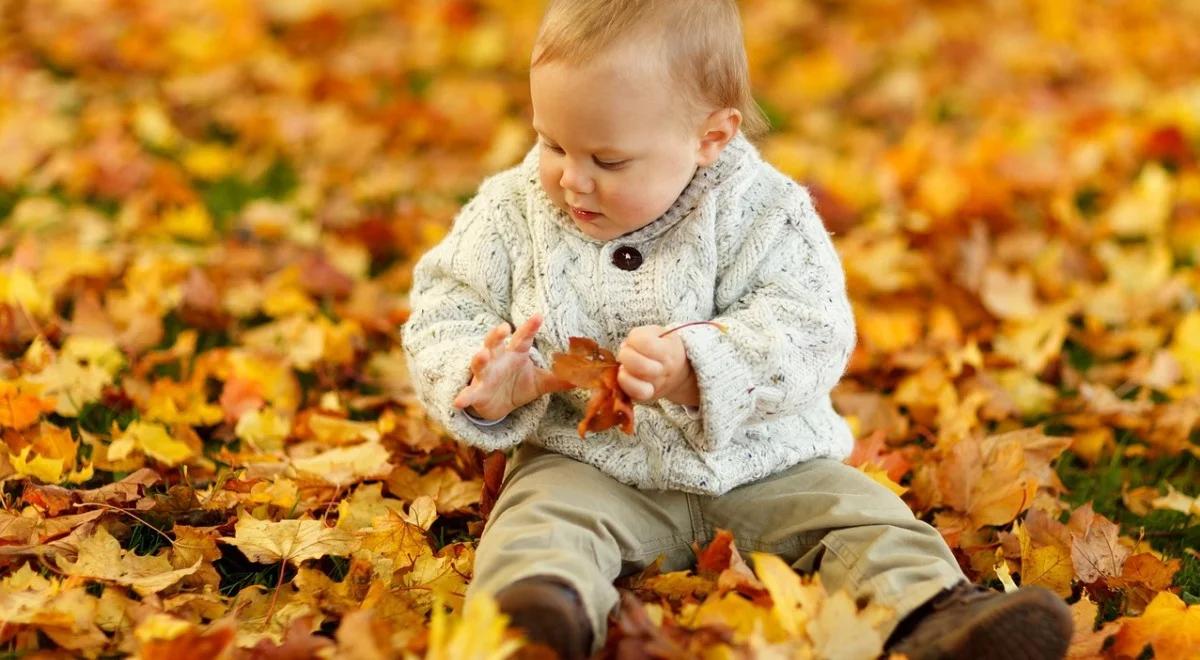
742,245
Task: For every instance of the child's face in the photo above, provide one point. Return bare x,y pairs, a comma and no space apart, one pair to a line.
616,149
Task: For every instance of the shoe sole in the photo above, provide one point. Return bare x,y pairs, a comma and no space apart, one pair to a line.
1034,624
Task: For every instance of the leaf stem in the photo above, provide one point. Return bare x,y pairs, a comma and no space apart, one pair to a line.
275,596
714,324
131,515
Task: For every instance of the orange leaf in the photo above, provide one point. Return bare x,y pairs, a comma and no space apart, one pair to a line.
19,409
1169,626
716,557
493,478
589,366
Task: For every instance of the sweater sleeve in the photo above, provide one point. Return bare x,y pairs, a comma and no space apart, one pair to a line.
790,328
462,289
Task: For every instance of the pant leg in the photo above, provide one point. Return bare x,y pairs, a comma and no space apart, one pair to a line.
825,516
559,517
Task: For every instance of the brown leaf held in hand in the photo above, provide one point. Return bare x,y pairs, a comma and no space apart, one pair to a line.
589,366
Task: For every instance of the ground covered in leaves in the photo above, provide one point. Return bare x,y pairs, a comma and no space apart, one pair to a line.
210,211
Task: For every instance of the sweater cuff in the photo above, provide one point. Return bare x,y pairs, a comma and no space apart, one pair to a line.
725,382
479,421
452,375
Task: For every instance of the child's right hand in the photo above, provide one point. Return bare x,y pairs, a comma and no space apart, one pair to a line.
503,376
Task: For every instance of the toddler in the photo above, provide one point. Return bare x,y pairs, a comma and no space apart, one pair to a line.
644,206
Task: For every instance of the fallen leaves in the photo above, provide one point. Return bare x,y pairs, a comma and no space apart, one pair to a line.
202,281
587,365
101,557
1170,627
768,612
291,541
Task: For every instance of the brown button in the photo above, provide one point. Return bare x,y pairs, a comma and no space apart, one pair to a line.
627,258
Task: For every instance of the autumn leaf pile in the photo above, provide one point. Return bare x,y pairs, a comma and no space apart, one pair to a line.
210,213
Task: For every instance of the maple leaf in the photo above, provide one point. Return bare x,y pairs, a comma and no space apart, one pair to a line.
342,466
1142,576
587,365
1045,562
1095,549
1168,626
449,490
153,440
101,557
291,541
478,633
364,505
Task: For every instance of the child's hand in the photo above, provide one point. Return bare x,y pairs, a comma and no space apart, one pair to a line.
503,376
654,367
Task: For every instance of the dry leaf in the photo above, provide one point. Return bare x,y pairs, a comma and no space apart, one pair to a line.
293,541
587,365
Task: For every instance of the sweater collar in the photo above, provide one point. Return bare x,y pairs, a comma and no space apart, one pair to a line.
732,160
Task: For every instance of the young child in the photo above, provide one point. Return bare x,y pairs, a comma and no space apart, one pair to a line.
642,207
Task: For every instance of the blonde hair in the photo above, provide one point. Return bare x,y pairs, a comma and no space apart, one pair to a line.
701,40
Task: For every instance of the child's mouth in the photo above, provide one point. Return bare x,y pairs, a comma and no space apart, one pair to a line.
582,215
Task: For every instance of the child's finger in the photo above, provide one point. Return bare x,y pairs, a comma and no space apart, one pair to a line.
522,339
636,388
480,360
639,365
495,336
465,398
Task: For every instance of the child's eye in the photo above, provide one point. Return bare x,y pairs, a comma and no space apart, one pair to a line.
552,147
610,165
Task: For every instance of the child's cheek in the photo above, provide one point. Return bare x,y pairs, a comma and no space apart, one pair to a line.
633,205
550,178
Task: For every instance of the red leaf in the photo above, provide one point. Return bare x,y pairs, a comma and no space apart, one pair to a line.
589,366
493,479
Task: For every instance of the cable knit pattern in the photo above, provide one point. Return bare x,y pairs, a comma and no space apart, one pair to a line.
742,245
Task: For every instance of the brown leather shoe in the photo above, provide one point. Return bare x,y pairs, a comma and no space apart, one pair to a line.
970,621
550,613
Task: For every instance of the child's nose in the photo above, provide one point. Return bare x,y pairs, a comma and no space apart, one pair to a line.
576,181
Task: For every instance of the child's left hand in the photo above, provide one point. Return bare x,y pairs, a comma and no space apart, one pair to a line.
654,367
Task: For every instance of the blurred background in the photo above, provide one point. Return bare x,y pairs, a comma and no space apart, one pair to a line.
1013,185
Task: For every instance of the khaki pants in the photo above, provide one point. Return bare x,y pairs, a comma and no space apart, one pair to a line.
559,517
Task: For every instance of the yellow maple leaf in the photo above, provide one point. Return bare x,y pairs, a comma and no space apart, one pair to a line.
841,630
1047,565
793,604
880,475
153,440
264,429
478,634
1169,626
364,505
342,466
438,576
292,541
450,491
101,557
739,614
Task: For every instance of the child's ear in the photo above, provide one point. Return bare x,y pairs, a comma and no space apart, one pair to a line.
718,129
